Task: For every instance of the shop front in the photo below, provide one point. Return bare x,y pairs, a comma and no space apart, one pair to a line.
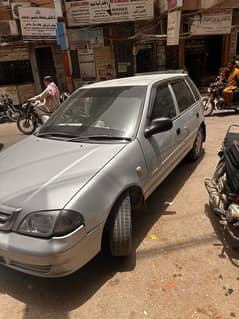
208,47
203,58
16,76
102,39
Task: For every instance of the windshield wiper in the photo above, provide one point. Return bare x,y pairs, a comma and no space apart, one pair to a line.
100,137
56,134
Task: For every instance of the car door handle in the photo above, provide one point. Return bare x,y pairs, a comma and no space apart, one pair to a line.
178,131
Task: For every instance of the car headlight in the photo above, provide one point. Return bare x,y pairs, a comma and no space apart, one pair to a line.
51,223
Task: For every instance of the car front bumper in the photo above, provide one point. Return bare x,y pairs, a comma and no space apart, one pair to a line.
56,257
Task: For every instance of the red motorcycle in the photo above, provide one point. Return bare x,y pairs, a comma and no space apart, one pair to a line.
215,101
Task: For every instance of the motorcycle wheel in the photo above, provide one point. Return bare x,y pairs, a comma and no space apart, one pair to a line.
26,126
207,106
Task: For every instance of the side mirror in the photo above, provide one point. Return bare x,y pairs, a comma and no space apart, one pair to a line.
158,125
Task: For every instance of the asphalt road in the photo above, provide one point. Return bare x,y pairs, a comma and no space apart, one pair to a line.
184,266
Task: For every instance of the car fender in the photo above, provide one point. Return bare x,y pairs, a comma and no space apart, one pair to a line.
96,199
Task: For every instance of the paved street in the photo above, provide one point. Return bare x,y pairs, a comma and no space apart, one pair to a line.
9,134
183,267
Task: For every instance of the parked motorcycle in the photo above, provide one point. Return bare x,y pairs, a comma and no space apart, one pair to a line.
8,110
214,100
223,187
29,120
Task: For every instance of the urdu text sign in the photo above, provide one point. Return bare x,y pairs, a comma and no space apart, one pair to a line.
81,12
38,23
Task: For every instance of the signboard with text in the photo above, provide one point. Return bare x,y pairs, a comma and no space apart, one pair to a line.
38,23
174,19
212,21
104,63
85,39
88,12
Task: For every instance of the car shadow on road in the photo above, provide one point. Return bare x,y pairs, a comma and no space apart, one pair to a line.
157,206
229,246
56,298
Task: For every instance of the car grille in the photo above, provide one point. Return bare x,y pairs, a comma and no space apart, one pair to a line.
8,216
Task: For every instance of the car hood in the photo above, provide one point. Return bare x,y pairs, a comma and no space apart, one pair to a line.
39,173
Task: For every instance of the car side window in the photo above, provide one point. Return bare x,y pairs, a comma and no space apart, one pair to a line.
194,89
183,94
163,104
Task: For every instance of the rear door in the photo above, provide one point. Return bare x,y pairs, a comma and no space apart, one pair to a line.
188,119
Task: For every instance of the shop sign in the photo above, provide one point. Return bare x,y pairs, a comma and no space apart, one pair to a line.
104,63
88,12
85,39
213,21
38,23
174,19
87,71
87,64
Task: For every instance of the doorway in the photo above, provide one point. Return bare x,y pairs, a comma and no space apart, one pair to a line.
203,58
145,60
45,63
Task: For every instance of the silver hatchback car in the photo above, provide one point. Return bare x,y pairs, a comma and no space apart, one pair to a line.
98,158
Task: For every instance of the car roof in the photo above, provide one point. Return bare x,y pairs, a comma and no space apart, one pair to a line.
138,80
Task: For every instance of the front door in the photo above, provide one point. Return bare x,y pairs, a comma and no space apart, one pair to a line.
159,148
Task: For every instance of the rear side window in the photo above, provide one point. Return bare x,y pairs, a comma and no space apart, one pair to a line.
194,89
163,104
183,94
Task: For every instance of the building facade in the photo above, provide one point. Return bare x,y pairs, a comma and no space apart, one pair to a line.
115,39
28,48
110,39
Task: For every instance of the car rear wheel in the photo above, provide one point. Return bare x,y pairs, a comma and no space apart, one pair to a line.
196,151
121,228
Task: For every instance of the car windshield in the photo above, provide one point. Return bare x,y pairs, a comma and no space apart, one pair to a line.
98,112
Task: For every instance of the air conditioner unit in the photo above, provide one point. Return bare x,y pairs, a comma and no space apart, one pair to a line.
8,27
5,3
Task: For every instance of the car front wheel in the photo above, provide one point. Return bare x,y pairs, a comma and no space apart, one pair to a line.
121,228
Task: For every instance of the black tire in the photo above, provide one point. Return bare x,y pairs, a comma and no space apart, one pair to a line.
26,126
196,150
207,106
121,228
